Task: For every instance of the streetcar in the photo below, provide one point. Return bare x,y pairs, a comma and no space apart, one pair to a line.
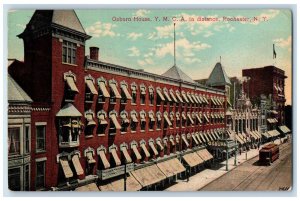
268,154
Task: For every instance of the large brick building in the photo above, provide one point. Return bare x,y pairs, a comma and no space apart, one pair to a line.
267,81
90,118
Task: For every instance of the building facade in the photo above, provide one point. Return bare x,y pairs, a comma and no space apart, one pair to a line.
268,81
19,137
94,121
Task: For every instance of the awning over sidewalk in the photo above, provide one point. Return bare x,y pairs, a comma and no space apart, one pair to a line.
266,135
148,175
284,129
171,167
192,159
273,133
204,154
118,185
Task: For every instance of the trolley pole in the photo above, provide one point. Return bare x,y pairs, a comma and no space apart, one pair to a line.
226,155
125,177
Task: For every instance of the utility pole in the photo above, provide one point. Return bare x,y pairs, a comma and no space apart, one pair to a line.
125,178
226,155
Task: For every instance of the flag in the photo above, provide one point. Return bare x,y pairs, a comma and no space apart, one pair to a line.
274,52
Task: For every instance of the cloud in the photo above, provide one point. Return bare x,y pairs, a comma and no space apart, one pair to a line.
21,26
182,45
284,43
208,34
141,13
134,36
134,52
99,29
145,62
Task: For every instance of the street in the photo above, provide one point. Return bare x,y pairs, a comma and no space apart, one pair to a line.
250,176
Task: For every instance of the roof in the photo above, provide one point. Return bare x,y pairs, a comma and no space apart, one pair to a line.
48,18
15,92
218,76
69,110
177,73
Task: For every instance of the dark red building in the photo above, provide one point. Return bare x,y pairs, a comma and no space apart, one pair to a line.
268,81
90,118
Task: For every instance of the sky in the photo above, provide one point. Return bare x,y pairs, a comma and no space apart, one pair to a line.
148,45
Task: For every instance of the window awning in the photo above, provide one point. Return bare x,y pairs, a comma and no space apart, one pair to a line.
177,139
218,101
190,98
190,118
126,154
158,117
136,152
158,142
185,140
104,159
125,120
151,117
113,117
185,98
91,87
90,120
66,168
192,159
71,83
172,117
116,157
228,102
179,97
206,137
177,116
253,135
126,92
198,138
113,86
213,100
206,118
270,120
201,135
167,95
151,144
143,90
194,138
172,141
103,89
183,116
216,134
77,165
194,98
173,96
102,119
90,158
143,117
198,118
205,99
201,98
198,98
134,118
160,94
167,119
147,154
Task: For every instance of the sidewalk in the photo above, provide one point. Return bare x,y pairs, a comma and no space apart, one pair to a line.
206,176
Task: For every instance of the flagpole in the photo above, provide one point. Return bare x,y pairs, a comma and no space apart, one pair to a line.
174,46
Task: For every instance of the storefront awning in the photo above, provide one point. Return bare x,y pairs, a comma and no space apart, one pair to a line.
77,165
284,129
266,135
126,92
171,167
192,159
118,185
103,89
104,159
91,87
204,155
87,188
148,175
66,168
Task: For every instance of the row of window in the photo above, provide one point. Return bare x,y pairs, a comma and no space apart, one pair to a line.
171,120
163,95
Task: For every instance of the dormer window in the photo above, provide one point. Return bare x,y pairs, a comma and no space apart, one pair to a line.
69,52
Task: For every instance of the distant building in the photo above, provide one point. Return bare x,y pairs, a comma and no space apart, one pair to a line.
268,81
19,137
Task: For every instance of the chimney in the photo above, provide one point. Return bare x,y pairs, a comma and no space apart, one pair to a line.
94,53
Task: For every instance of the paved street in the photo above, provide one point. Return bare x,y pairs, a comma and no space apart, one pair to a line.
251,177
